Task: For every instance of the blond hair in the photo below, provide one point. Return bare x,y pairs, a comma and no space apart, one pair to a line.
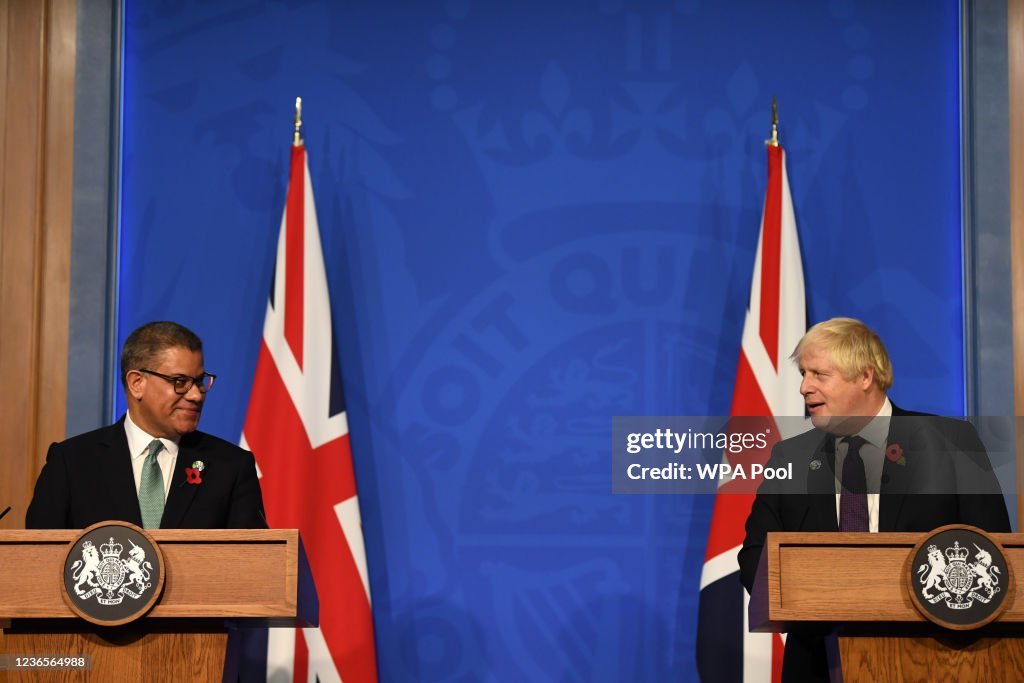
852,346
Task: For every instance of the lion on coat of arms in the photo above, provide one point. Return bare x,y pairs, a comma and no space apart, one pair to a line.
936,577
84,570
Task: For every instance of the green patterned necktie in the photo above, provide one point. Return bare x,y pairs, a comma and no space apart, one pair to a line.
151,488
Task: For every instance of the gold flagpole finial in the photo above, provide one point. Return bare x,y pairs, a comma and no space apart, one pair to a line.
774,140
297,141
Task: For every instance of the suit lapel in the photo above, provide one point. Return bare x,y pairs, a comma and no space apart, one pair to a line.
115,468
821,486
895,480
181,493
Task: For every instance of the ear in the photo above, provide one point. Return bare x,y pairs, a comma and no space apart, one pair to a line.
867,378
135,381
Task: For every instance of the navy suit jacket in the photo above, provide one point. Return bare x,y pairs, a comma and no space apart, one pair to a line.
88,479
946,479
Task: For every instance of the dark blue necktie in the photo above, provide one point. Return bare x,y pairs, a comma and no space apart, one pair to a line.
853,498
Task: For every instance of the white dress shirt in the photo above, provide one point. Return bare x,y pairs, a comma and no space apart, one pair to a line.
138,446
872,452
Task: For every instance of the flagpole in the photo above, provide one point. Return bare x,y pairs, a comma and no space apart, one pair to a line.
298,429
774,140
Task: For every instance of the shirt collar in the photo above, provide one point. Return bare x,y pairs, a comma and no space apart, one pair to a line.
876,432
139,439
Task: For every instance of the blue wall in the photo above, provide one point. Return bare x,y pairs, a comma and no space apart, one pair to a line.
535,216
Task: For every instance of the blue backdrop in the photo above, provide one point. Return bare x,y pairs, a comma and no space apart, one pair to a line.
535,216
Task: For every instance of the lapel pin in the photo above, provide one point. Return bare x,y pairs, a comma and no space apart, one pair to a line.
815,464
193,475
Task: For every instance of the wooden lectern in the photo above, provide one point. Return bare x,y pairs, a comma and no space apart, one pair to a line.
211,576
856,582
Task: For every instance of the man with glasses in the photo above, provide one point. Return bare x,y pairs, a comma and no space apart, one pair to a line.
152,467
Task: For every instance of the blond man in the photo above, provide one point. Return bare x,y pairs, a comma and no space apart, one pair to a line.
860,469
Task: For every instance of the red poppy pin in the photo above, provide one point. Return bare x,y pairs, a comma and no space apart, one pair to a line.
193,475
894,453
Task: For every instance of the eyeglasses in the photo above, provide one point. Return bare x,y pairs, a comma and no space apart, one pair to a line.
183,383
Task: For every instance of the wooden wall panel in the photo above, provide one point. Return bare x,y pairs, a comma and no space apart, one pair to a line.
37,62
55,269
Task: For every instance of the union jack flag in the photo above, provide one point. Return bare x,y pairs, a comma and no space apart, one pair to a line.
768,385
297,428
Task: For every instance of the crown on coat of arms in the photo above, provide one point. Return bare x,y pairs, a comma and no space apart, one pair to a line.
112,549
956,553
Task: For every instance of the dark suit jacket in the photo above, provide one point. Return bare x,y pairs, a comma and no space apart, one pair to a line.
946,479
88,479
